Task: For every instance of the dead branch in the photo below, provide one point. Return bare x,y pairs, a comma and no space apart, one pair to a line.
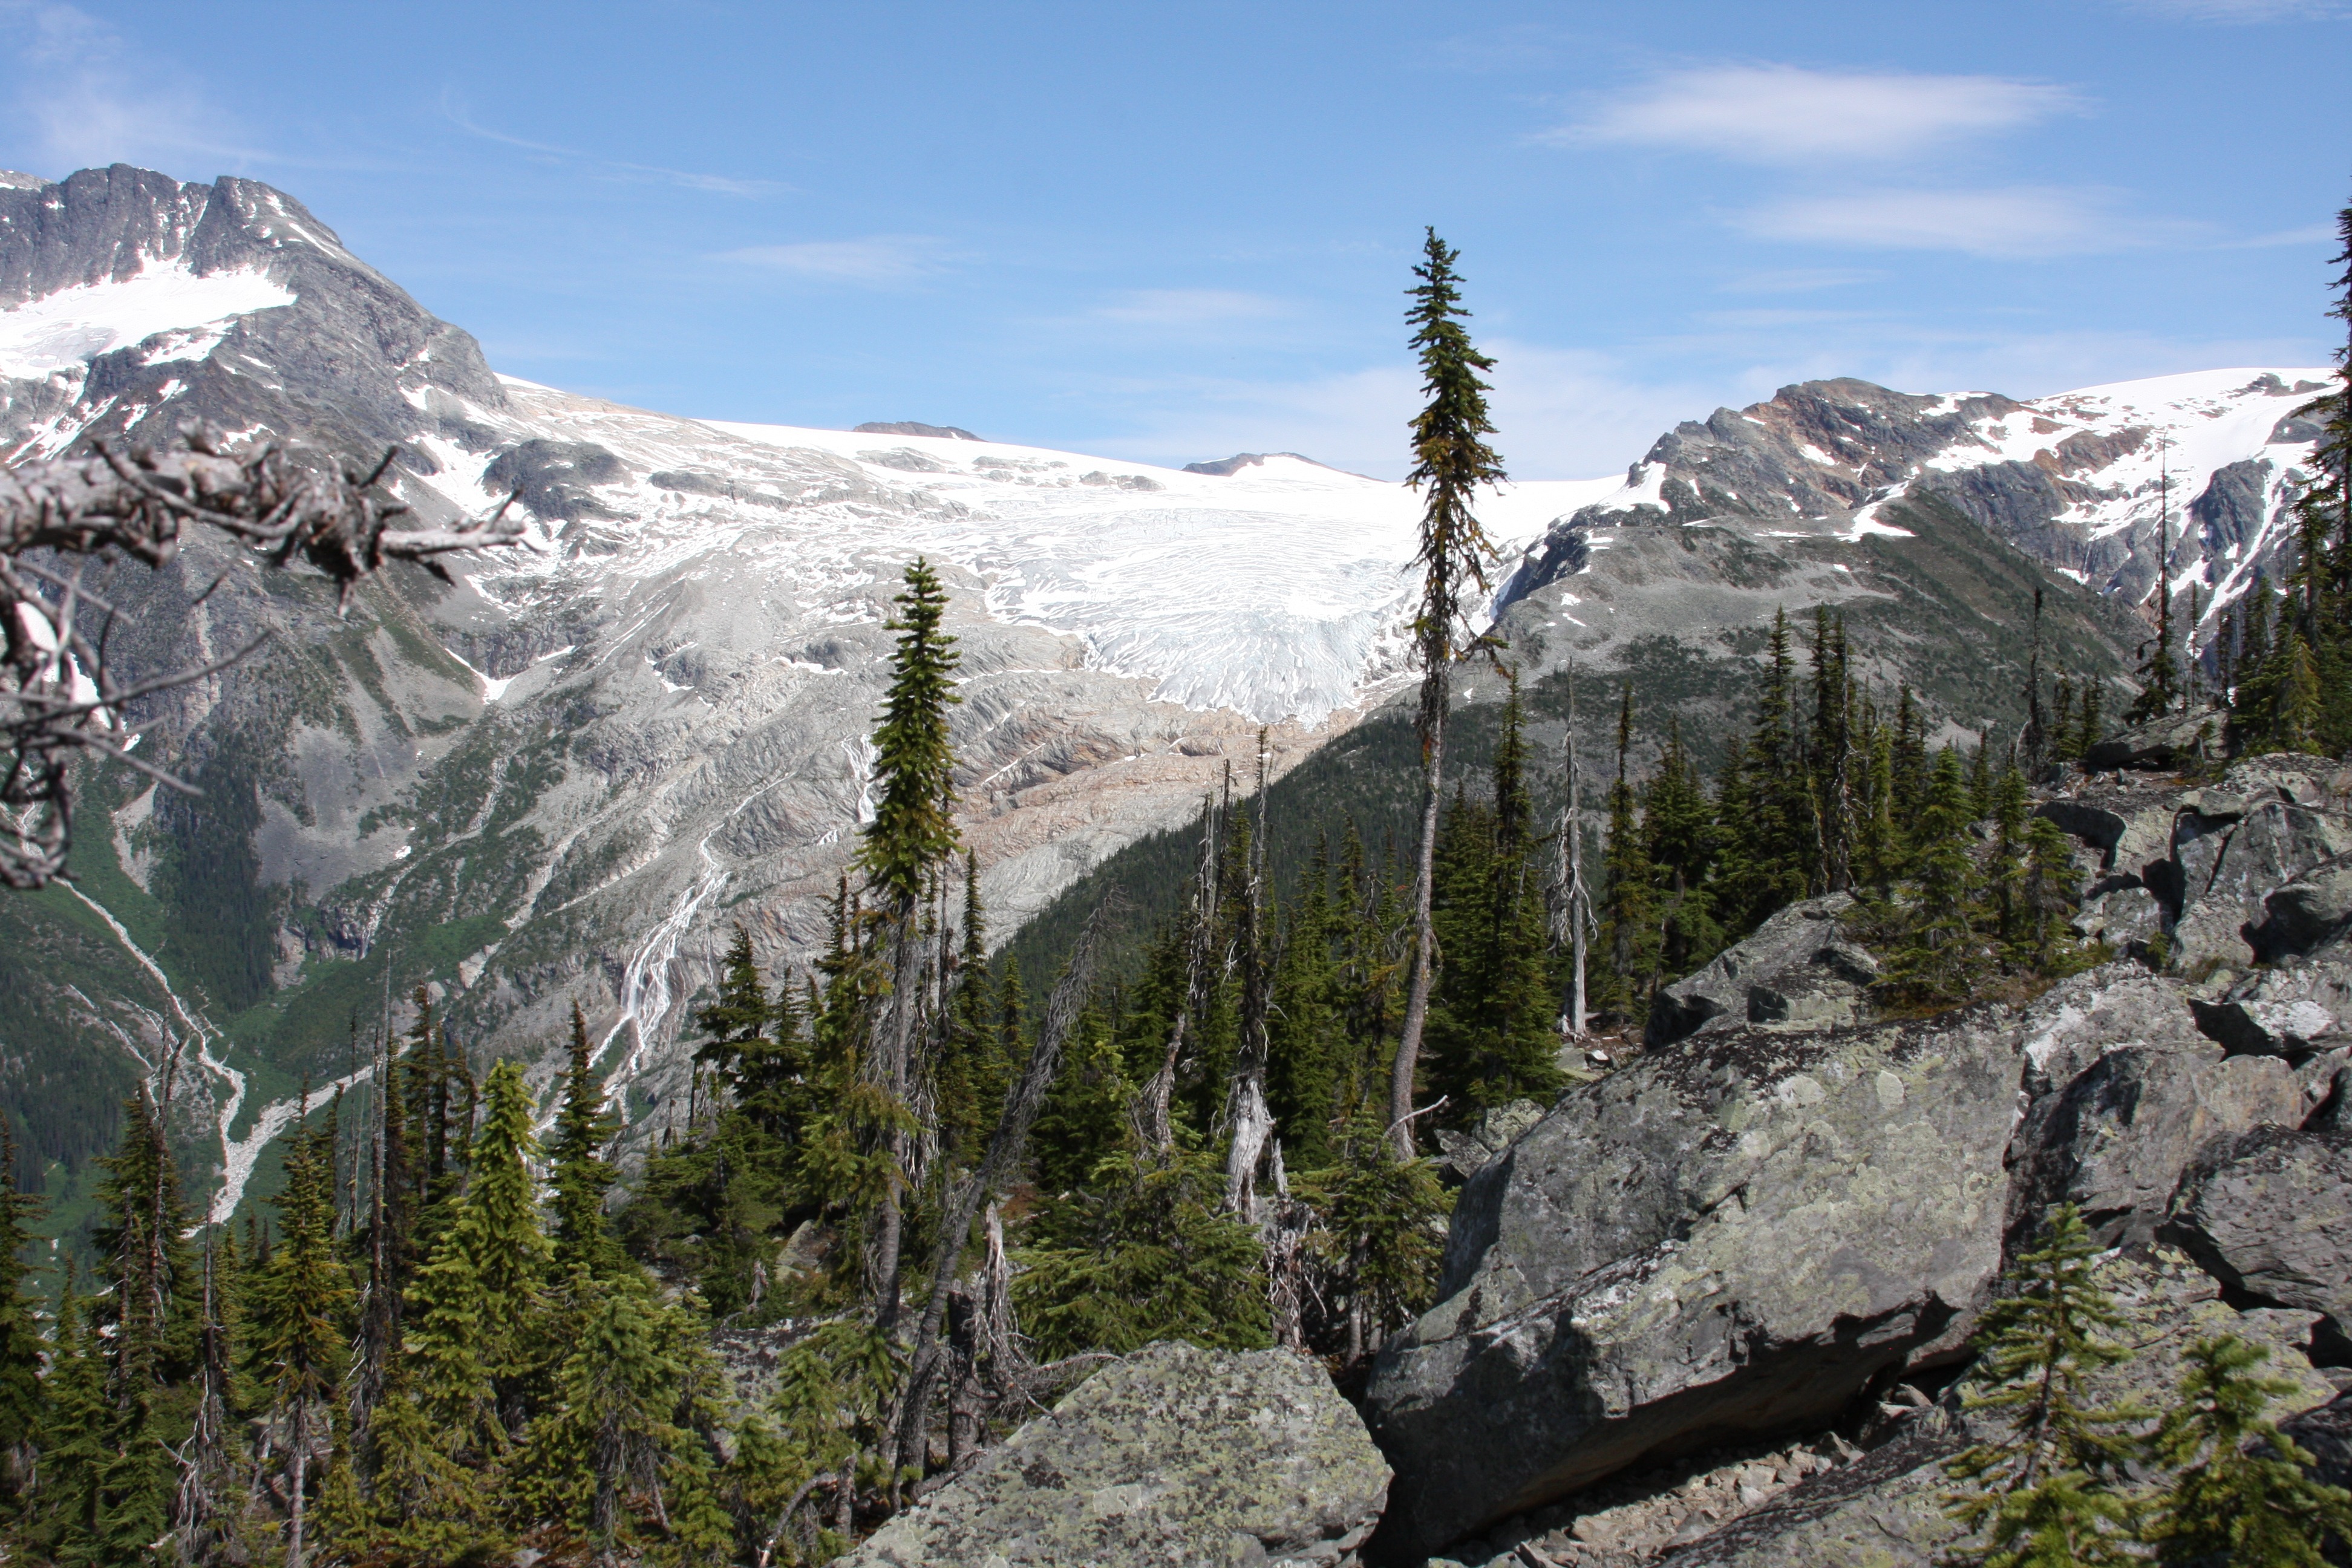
60,697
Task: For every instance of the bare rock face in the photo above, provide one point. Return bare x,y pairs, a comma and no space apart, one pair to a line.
1801,969
2270,1214
2199,867
1733,1234
1176,1456
2114,1142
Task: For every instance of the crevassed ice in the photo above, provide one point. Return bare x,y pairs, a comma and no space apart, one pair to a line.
74,325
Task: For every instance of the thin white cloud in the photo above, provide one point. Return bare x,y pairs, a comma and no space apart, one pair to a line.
2309,234
83,99
2017,222
1786,114
877,259
1190,307
612,168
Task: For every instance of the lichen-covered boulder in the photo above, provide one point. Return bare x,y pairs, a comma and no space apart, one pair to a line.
1175,1456
2229,868
2165,742
2294,1010
2308,912
2115,1141
1734,1233
2270,1212
1798,970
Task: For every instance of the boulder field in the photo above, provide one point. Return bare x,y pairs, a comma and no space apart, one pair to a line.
1711,1308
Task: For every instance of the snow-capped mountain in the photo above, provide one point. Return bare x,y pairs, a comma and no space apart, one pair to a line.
567,777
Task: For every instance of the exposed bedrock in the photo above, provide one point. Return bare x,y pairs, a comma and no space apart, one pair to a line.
1174,1456
1791,1204
1733,1236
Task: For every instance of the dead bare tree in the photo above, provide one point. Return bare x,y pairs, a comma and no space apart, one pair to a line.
61,697
1005,1148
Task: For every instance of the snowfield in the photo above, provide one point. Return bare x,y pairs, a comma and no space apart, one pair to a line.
65,330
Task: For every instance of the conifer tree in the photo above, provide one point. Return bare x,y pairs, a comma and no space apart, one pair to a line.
21,1401
582,1176
2240,1491
1377,1236
2046,1491
475,1297
1493,1030
1939,950
2094,725
911,837
1679,825
1628,925
1306,1046
298,1316
75,1521
1451,461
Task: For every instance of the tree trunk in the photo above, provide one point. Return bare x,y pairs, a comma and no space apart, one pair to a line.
1157,1129
1433,697
1004,1151
300,1473
890,1072
1247,1116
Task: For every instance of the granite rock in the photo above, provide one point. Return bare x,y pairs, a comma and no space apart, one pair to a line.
1175,1456
1734,1233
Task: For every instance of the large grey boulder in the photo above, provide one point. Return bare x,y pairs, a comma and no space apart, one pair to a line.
2295,1011
2161,743
1733,1234
1176,1455
2114,1142
2308,912
2069,1028
1800,970
2229,868
2270,1214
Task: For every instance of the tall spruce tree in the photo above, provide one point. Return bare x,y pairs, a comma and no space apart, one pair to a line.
1628,916
911,837
299,1329
1451,461
582,1176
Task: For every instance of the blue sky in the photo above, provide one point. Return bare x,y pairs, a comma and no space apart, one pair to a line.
1171,232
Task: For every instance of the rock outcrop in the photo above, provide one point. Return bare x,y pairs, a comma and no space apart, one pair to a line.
1783,1209
2269,1213
1801,969
1175,1456
1736,1234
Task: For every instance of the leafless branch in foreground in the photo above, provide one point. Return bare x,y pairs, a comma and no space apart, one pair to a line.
59,697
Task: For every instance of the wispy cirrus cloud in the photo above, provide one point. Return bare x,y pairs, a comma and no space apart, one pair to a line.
1789,115
2008,223
1800,280
85,98
611,168
876,260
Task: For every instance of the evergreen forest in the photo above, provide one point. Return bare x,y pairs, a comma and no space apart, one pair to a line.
918,1190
